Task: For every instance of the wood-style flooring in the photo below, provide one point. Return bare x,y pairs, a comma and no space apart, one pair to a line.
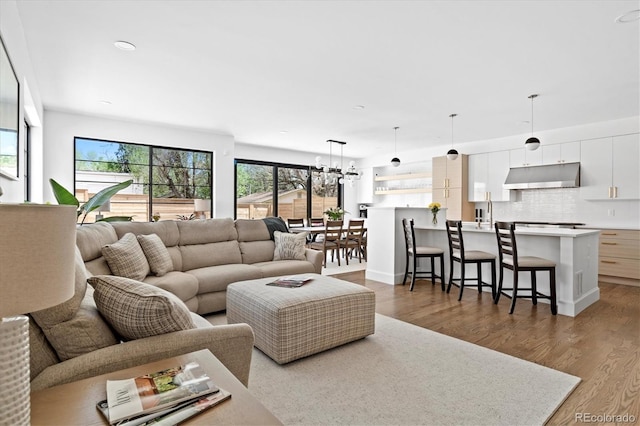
601,345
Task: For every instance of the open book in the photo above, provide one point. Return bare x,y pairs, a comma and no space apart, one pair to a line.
151,393
291,281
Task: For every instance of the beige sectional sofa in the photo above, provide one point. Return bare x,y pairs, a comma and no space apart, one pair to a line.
73,340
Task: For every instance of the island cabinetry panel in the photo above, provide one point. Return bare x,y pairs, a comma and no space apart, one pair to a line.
450,187
609,168
620,256
487,174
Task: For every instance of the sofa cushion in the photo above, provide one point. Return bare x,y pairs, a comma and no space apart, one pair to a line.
137,310
183,285
206,231
167,230
289,246
126,258
156,253
252,230
217,278
284,267
41,354
196,256
91,238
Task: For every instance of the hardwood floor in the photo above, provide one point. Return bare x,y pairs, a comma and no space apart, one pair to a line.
601,345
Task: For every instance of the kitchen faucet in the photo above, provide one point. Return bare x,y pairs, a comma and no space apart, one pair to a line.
490,211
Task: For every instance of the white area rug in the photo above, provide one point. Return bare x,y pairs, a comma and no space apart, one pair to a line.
407,375
332,268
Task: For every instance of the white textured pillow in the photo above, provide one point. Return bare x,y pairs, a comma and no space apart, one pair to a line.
126,258
289,246
157,254
137,310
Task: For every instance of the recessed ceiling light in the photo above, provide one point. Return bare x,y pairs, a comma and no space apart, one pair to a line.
124,45
628,17
358,107
105,102
284,131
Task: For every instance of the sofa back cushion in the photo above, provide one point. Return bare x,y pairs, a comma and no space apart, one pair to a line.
41,354
126,258
91,238
255,243
167,230
208,242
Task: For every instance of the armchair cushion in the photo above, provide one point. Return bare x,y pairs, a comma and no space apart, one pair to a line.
137,310
289,246
126,258
156,253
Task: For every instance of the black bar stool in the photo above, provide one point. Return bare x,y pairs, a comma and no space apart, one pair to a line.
414,252
457,253
509,258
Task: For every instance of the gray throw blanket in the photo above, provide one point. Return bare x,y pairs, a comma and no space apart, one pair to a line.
275,224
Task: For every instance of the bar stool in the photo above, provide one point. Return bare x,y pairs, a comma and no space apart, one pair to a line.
457,253
415,252
509,258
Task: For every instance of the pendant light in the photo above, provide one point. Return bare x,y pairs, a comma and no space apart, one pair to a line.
395,161
452,154
532,143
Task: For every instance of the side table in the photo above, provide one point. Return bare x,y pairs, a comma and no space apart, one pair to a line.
75,403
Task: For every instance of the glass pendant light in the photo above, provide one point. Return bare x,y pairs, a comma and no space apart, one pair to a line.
452,154
532,143
395,161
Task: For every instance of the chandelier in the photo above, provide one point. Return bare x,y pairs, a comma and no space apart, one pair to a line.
335,172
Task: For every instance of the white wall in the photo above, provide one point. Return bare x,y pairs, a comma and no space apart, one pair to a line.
14,41
60,128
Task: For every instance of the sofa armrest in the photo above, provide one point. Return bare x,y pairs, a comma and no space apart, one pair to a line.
231,344
315,257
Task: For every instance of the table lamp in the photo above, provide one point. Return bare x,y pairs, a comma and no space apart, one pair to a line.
200,207
37,249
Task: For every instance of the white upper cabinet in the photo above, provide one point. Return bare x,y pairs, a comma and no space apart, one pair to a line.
521,157
561,153
609,168
487,173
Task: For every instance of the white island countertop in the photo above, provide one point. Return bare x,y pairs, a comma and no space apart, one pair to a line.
520,230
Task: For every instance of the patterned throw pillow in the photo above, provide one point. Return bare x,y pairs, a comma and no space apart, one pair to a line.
137,310
289,246
126,258
157,254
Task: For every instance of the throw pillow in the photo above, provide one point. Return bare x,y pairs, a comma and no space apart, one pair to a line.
137,310
157,254
126,258
289,246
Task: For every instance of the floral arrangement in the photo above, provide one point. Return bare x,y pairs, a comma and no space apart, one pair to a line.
435,208
335,213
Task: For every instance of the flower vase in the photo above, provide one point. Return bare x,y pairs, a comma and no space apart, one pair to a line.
435,218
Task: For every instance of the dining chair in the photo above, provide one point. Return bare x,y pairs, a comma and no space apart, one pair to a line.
415,252
331,241
316,221
352,239
510,259
458,253
295,223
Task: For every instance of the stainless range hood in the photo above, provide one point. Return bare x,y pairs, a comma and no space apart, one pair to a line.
566,175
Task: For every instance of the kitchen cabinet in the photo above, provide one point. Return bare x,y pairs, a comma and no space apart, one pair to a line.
487,173
619,256
408,183
609,168
450,187
561,153
522,157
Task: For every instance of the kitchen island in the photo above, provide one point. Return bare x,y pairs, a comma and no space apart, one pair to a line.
575,252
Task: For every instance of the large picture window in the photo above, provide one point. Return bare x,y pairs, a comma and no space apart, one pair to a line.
166,181
275,189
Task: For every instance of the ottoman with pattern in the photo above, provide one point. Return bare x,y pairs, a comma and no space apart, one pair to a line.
291,323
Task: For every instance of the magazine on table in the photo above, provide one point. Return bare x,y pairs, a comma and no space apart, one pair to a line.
291,281
131,398
173,415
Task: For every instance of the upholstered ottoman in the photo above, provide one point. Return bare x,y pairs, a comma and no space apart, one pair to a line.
291,323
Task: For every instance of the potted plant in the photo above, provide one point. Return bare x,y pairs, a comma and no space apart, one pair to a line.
335,213
435,208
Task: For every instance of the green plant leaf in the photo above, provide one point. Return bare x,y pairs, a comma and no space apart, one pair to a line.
63,196
103,196
116,219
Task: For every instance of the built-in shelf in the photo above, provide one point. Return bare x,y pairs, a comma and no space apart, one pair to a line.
422,175
403,191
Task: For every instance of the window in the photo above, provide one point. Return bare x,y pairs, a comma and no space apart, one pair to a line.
27,162
273,189
166,181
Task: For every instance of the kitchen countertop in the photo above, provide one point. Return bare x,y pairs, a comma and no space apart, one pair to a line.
543,232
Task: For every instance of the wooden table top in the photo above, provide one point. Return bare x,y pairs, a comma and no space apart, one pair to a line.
75,403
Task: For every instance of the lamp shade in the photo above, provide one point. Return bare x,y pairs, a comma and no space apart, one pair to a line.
37,250
532,143
202,205
395,161
452,154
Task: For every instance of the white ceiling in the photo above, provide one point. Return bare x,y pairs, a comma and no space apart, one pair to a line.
253,69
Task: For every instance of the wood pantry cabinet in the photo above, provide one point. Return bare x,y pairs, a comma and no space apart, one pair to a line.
609,168
450,187
619,257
